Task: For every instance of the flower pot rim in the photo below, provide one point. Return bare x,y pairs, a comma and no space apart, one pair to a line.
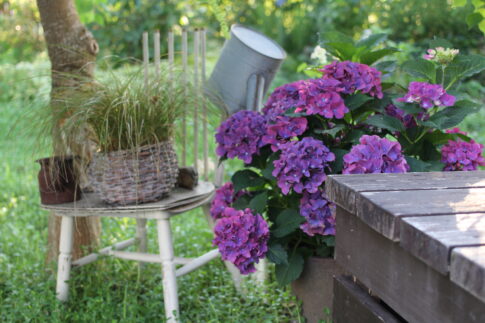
56,158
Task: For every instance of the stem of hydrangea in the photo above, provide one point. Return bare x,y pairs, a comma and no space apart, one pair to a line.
421,135
451,83
407,138
442,76
296,246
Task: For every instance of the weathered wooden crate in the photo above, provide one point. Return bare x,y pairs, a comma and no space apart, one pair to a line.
417,240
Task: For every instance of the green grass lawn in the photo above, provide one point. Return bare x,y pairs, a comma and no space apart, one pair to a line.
111,290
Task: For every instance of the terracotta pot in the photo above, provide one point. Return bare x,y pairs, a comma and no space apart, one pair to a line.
314,288
57,181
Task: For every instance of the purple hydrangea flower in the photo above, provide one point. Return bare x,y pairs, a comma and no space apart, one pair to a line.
301,165
283,129
242,238
319,213
323,99
223,199
428,95
314,96
241,135
287,96
406,119
456,130
459,155
355,77
375,155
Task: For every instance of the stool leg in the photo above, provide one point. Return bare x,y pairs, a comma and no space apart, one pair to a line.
65,258
170,296
141,234
261,274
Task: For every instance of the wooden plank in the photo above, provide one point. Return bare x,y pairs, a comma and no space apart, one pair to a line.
468,270
410,287
352,304
342,188
431,238
383,210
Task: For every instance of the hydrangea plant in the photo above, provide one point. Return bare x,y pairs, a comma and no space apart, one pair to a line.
343,120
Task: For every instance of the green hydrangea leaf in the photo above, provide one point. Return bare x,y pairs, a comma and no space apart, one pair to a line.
258,203
372,57
246,178
356,101
343,50
463,66
420,68
277,254
372,41
386,122
416,164
287,222
286,273
451,116
242,202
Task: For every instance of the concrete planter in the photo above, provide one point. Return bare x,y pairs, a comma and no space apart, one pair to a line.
314,288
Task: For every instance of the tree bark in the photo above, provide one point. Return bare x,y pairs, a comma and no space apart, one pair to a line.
72,51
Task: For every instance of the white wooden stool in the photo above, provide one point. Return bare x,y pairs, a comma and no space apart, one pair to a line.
180,201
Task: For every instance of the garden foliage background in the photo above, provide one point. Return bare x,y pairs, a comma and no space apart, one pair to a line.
117,290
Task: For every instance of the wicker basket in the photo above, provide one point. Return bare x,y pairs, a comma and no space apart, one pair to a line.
130,177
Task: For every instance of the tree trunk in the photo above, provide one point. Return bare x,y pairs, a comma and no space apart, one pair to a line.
72,51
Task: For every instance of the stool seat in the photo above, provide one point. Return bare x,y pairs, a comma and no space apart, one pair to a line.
179,201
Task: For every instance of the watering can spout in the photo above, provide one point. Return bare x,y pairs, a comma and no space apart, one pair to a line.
244,71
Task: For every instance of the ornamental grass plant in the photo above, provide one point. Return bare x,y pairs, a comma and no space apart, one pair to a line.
124,111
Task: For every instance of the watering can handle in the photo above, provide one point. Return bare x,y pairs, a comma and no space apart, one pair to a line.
255,92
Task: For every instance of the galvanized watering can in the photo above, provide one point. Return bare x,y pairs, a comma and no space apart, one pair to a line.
245,69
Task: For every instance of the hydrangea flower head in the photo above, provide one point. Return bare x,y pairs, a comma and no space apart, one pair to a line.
283,129
355,77
313,96
459,155
291,95
223,199
323,99
318,212
241,135
441,55
301,165
375,155
428,95
242,238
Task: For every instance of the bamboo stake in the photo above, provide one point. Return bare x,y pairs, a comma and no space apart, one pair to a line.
204,105
184,115
145,58
156,48
196,105
170,53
